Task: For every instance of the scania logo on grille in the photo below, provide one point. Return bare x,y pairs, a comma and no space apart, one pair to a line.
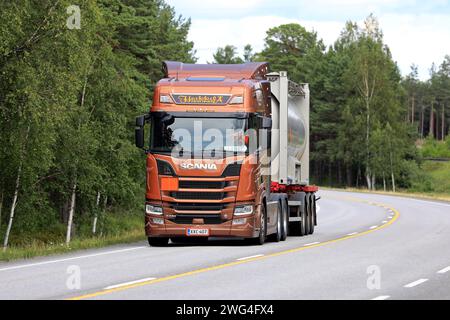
201,166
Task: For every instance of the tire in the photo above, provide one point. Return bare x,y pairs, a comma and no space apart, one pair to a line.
261,239
285,220
309,218
313,213
158,242
276,237
304,217
315,209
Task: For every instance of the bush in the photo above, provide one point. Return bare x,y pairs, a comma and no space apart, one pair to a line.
436,149
414,178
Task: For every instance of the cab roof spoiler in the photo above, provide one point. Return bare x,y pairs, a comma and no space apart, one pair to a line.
249,70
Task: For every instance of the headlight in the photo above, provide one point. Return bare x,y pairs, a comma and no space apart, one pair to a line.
151,209
237,100
242,210
165,99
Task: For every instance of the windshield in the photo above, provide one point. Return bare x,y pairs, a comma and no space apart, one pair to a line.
198,136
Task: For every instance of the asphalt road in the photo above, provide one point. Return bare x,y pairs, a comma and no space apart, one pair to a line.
365,247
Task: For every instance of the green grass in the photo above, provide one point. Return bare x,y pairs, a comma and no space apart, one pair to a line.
402,193
120,228
439,172
432,183
431,148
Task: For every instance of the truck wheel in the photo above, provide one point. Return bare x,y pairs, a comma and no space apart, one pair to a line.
308,214
315,209
304,217
276,237
285,220
158,242
262,229
311,213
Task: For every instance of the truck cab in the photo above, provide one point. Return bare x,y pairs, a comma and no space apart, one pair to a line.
209,162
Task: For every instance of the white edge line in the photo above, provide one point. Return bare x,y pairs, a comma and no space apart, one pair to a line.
128,283
431,202
415,283
250,257
352,234
446,269
373,227
384,221
381,298
310,244
69,259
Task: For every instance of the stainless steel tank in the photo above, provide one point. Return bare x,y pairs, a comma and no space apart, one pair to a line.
290,130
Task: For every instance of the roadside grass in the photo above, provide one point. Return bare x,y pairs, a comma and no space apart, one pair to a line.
402,193
122,228
433,183
439,173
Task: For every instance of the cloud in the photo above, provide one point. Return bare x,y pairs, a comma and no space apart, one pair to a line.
209,34
419,39
417,31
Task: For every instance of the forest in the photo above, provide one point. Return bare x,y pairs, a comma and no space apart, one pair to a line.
69,94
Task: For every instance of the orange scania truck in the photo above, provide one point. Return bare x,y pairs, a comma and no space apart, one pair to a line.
227,155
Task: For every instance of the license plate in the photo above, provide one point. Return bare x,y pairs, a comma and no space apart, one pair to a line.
197,232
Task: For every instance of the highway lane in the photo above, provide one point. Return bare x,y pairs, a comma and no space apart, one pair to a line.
355,236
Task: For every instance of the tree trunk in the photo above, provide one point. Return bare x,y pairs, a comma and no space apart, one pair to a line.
373,182
443,122
368,173
71,211
16,191
392,170
369,181
431,132
13,208
358,176
393,181
349,175
94,224
384,182
422,116
413,108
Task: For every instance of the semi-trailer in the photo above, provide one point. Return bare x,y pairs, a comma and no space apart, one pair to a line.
227,154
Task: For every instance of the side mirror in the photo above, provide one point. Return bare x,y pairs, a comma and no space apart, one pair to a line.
139,132
266,123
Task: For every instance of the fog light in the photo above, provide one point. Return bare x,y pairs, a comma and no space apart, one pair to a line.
158,221
239,221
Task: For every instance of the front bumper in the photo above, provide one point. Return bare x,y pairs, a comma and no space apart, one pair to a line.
226,229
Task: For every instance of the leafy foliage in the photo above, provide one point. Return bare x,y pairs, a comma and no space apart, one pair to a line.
67,101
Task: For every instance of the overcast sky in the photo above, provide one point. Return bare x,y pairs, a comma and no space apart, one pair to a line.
416,31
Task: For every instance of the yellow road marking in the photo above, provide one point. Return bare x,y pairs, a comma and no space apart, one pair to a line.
235,263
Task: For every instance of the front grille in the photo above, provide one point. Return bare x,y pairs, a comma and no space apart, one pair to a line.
207,218
197,206
198,195
184,184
